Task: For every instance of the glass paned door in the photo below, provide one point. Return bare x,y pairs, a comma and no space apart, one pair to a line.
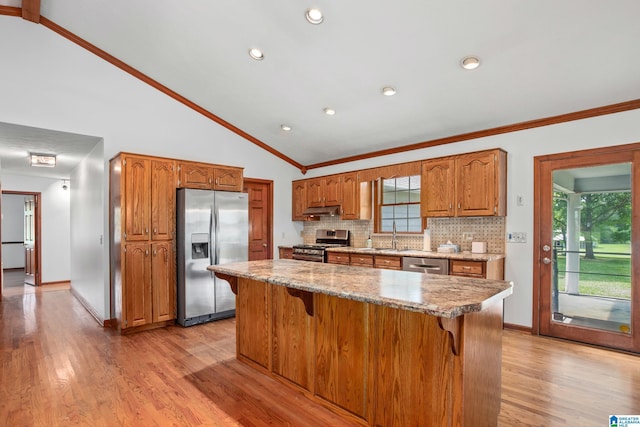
586,246
591,254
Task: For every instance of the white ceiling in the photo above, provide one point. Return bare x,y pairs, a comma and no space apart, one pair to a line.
539,59
16,142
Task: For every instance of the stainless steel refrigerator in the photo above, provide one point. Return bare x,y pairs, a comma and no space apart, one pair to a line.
212,228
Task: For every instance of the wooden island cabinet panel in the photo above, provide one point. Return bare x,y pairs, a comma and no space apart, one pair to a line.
414,365
292,336
342,351
253,322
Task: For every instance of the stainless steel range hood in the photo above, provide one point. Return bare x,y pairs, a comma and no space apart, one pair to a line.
322,211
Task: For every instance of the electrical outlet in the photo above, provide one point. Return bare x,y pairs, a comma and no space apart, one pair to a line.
516,237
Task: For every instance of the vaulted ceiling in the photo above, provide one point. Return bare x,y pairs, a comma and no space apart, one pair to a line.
538,59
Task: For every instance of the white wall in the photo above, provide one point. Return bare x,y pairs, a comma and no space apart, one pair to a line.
89,231
51,83
12,230
54,214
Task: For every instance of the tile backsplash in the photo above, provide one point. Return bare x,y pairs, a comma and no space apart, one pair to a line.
461,231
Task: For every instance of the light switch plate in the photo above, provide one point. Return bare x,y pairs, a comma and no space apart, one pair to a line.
516,237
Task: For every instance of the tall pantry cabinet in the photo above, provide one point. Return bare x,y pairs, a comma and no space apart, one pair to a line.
142,221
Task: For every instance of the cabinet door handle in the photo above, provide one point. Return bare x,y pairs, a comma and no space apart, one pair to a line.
155,252
146,230
155,230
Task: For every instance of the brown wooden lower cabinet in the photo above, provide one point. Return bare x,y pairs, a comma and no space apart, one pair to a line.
362,260
376,365
285,253
388,262
493,269
337,258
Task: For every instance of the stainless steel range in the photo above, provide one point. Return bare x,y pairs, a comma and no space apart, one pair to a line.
324,239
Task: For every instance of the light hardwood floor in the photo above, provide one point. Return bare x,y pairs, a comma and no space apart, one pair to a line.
59,368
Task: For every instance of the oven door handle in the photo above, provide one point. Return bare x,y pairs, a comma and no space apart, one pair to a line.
301,257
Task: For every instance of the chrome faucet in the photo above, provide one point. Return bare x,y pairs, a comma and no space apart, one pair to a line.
394,239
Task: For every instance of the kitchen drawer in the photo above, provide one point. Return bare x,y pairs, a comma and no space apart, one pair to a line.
390,262
468,268
337,258
362,260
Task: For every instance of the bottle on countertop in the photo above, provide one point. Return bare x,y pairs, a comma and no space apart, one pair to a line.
369,242
426,244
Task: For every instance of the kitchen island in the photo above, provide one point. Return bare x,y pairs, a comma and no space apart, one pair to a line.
381,347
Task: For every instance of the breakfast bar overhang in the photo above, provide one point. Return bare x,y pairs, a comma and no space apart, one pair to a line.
381,347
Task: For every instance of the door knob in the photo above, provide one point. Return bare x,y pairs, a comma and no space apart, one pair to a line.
546,248
546,260
264,244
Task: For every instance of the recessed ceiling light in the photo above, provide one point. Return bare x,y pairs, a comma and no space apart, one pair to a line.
285,128
314,16
470,62
388,91
329,111
256,54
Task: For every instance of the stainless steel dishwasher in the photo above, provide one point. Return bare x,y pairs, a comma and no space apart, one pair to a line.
426,265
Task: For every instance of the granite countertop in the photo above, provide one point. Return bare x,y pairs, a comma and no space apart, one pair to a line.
437,295
418,253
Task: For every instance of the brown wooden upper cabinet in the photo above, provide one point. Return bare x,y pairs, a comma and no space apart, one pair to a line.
299,200
344,190
356,197
148,202
209,177
324,191
472,184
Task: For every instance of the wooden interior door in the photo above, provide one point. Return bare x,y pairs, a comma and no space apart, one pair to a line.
260,218
30,264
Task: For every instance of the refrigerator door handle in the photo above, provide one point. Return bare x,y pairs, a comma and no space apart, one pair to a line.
214,237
